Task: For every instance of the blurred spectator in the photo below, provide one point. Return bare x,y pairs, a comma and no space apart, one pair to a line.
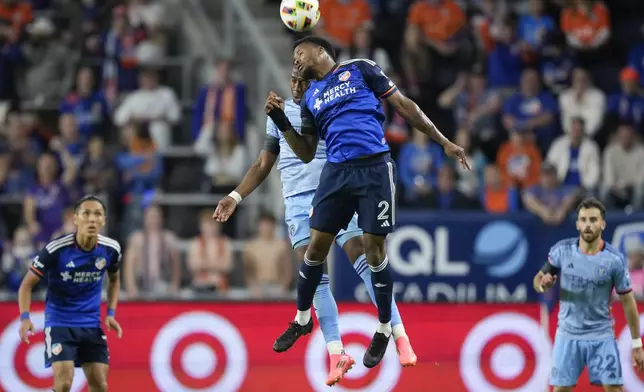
152,263
45,201
497,197
549,200
623,177
10,60
445,196
469,181
141,168
519,160
534,27
16,12
18,156
628,103
97,171
418,164
636,59
68,224
416,62
50,65
17,259
487,22
339,19
153,104
69,138
582,100
475,109
149,14
226,159
440,21
268,261
504,60
210,256
586,24
557,63
576,157
362,47
119,51
221,100
532,109
88,105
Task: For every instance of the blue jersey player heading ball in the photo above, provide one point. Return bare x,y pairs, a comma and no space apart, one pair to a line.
343,106
588,270
74,266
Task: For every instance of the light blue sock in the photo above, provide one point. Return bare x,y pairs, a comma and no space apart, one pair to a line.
326,311
362,269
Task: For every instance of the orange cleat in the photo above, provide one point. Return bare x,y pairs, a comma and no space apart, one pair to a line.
406,354
339,365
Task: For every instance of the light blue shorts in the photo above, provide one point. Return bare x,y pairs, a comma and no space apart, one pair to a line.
298,208
570,356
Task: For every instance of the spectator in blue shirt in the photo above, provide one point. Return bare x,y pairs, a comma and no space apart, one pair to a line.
636,61
532,109
557,63
88,106
550,200
504,62
534,26
418,164
627,104
10,58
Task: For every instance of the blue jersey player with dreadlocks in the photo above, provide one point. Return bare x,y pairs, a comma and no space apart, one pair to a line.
343,107
74,266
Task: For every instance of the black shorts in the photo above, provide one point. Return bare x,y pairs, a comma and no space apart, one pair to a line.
366,186
81,345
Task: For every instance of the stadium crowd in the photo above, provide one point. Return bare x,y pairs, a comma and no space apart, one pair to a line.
545,95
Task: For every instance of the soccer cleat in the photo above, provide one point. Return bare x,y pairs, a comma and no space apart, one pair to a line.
339,365
376,350
406,354
294,331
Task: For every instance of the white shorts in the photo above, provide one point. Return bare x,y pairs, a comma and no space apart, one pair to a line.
297,210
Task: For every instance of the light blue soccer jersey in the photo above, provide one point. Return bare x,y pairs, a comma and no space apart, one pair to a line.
297,176
587,283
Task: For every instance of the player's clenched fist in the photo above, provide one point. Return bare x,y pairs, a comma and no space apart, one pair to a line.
638,359
26,330
273,101
225,209
544,282
112,325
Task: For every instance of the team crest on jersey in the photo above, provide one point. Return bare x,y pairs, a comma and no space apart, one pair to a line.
344,76
100,263
601,271
291,230
56,348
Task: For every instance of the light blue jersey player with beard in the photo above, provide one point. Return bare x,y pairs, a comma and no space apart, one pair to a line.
299,182
589,270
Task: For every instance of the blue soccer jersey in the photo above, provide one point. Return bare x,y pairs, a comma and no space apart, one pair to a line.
75,278
345,108
587,283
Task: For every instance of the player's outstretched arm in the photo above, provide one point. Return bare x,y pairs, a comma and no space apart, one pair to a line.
254,177
419,120
633,319
304,145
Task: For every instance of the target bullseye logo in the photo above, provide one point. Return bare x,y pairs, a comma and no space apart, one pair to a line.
356,330
22,367
632,381
506,351
198,351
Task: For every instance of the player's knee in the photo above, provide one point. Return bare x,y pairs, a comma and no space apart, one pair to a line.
613,388
374,247
354,248
98,385
63,385
561,389
316,254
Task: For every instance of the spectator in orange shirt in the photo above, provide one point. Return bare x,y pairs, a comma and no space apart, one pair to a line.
339,19
497,197
586,24
440,20
16,12
519,160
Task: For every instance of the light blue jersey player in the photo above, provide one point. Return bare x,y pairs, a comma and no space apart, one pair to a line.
74,266
343,106
299,182
588,270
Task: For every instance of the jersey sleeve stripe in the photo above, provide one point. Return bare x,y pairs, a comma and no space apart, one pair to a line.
35,271
51,248
54,243
109,242
389,92
624,292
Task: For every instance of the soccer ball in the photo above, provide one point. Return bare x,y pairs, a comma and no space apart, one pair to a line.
300,15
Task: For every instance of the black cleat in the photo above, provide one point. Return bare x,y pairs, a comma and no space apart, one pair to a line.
294,331
376,350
